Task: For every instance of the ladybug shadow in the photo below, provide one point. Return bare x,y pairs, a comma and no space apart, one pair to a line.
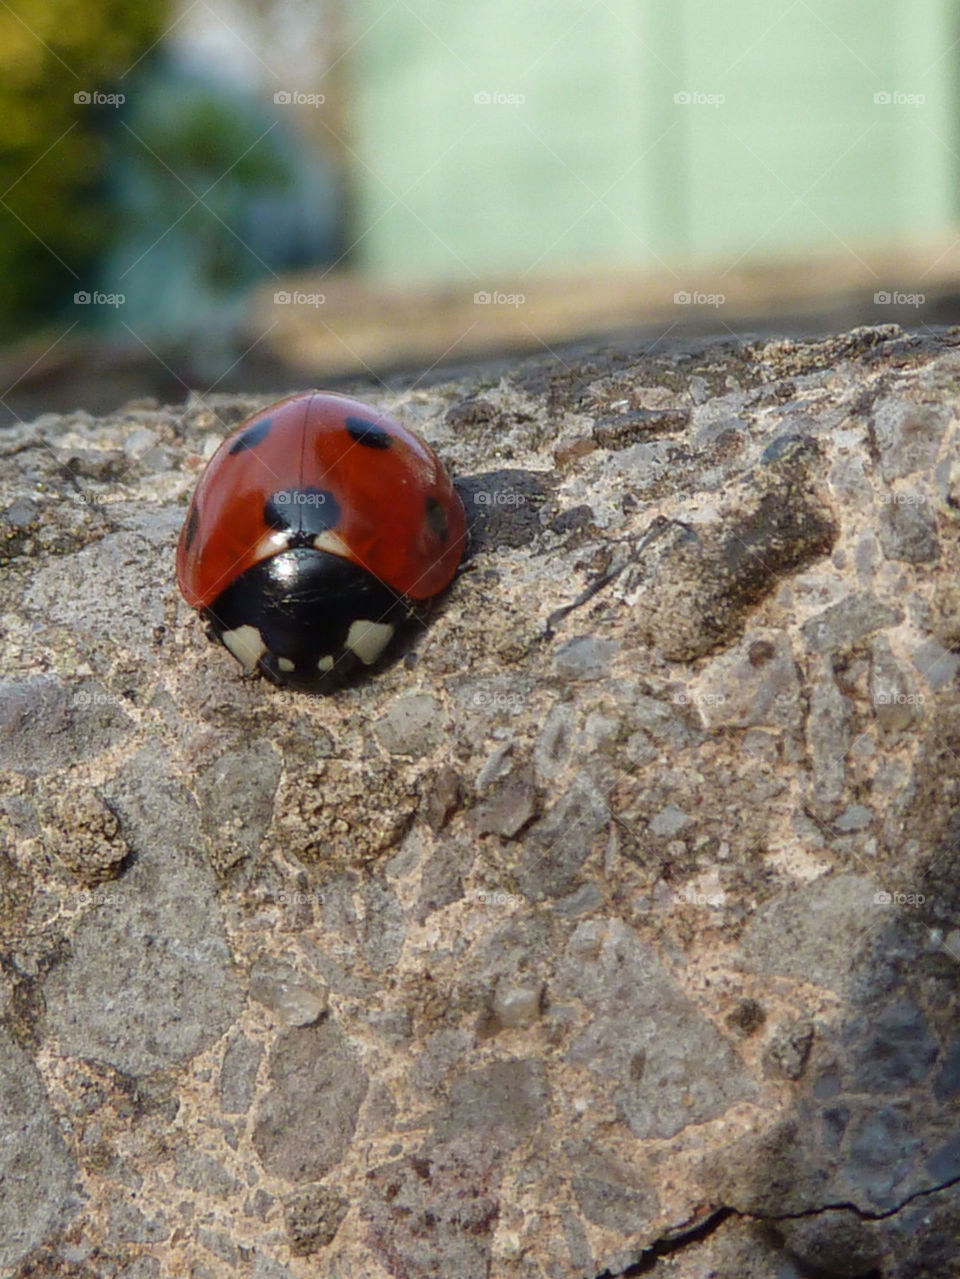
503,510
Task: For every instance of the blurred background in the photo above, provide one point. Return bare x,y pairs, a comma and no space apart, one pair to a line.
202,195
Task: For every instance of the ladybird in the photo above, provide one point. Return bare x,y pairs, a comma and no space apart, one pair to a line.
316,530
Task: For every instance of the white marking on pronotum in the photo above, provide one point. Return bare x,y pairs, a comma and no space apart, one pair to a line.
285,664
271,544
368,640
325,664
246,644
329,541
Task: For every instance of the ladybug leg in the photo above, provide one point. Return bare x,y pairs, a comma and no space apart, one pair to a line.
270,669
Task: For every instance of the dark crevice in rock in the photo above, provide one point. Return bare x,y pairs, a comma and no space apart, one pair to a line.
674,1240
657,526
587,594
846,1206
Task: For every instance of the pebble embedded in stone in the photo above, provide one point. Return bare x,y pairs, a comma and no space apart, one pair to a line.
586,657
296,1000
517,1005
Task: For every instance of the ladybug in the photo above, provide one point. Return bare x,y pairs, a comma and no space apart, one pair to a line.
317,529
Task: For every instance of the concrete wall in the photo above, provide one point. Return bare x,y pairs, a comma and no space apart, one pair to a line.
594,161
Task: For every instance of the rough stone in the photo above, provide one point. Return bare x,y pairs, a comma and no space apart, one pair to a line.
433,1213
517,1005
754,682
505,1100
897,1049
384,926
313,1216
630,886
442,797
46,724
234,831
559,844
508,807
585,657
828,736
908,531
841,625
804,932
694,589
295,999
85,835
609,1193
893,690
907,435
788,1049
199,1171
411,726
128,1224
305,1121
947,1083
36,1171
238,1074
441,882
652,1058
147,982
552,747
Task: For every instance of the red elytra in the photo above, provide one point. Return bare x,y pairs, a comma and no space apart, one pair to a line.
314,507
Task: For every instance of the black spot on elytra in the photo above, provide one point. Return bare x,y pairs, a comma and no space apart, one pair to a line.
193,521
437,520
252,436
368,433
305,512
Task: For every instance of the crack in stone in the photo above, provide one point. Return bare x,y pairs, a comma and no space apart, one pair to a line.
851,1207
657,526
673,1241
706,1225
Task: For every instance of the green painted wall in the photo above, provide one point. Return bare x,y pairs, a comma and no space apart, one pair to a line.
599,165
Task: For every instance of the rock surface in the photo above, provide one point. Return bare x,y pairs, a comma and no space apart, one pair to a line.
611,925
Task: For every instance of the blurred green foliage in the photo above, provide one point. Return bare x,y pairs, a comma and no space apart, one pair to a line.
212,190
53,217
